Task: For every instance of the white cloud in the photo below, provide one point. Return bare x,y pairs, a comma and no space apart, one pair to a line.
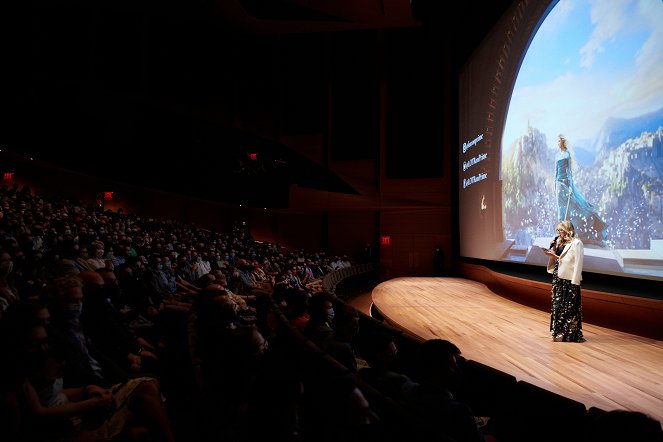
578,102
645,83
608,18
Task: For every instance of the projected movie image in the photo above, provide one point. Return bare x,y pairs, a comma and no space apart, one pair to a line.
581,139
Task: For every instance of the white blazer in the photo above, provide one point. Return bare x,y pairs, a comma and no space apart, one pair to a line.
570,262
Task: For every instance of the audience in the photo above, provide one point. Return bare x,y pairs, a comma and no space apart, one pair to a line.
87,412
99,294
106,412
623,425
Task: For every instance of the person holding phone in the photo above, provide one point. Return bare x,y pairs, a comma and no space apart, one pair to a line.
566,255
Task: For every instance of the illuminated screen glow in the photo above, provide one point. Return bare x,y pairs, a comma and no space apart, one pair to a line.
591,71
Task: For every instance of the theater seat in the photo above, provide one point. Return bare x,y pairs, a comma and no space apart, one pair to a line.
541,415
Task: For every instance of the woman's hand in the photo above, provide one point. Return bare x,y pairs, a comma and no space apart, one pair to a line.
550,253
104,400
149,354
143,343
134,362
95,390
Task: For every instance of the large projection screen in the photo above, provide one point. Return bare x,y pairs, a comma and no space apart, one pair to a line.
591,71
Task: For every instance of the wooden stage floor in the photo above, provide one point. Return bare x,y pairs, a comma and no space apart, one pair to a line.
611,370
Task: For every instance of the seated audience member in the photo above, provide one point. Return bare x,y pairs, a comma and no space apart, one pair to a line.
381,352
259,274
228,351
339,344
305,277
162,286
281,284
437,372
623,425
86,413
133,281
215,320
321,314
335,409
81,261
103,412
147,335
112,292
293,280
138,283
184,271
15,335
135,305
273,389
85,363
296,309
246,279
96,259
118,256
200,266
105,327
67,264
245,313
240,301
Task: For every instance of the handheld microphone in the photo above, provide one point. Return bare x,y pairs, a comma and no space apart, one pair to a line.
553,242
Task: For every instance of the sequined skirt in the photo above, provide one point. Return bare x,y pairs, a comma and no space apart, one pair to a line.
566,310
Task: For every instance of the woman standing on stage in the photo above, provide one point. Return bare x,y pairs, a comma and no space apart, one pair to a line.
566,254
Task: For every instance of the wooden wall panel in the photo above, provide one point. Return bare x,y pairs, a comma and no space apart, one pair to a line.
349,232
301,230
435,220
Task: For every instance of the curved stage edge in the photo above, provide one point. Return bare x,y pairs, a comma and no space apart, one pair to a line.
630,314
613,369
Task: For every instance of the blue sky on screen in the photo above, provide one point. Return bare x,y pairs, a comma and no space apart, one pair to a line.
589,61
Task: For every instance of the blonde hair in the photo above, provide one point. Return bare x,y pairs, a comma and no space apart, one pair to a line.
567,226
565,148
64,283
562,142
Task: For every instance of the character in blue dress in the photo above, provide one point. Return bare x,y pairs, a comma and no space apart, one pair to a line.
572,206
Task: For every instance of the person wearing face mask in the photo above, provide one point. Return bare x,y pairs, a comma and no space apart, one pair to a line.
158,279
340,345
85,363
112,292
200,266
321,315
162,287
103,233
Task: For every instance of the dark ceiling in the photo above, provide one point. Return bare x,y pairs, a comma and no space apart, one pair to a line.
151,92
